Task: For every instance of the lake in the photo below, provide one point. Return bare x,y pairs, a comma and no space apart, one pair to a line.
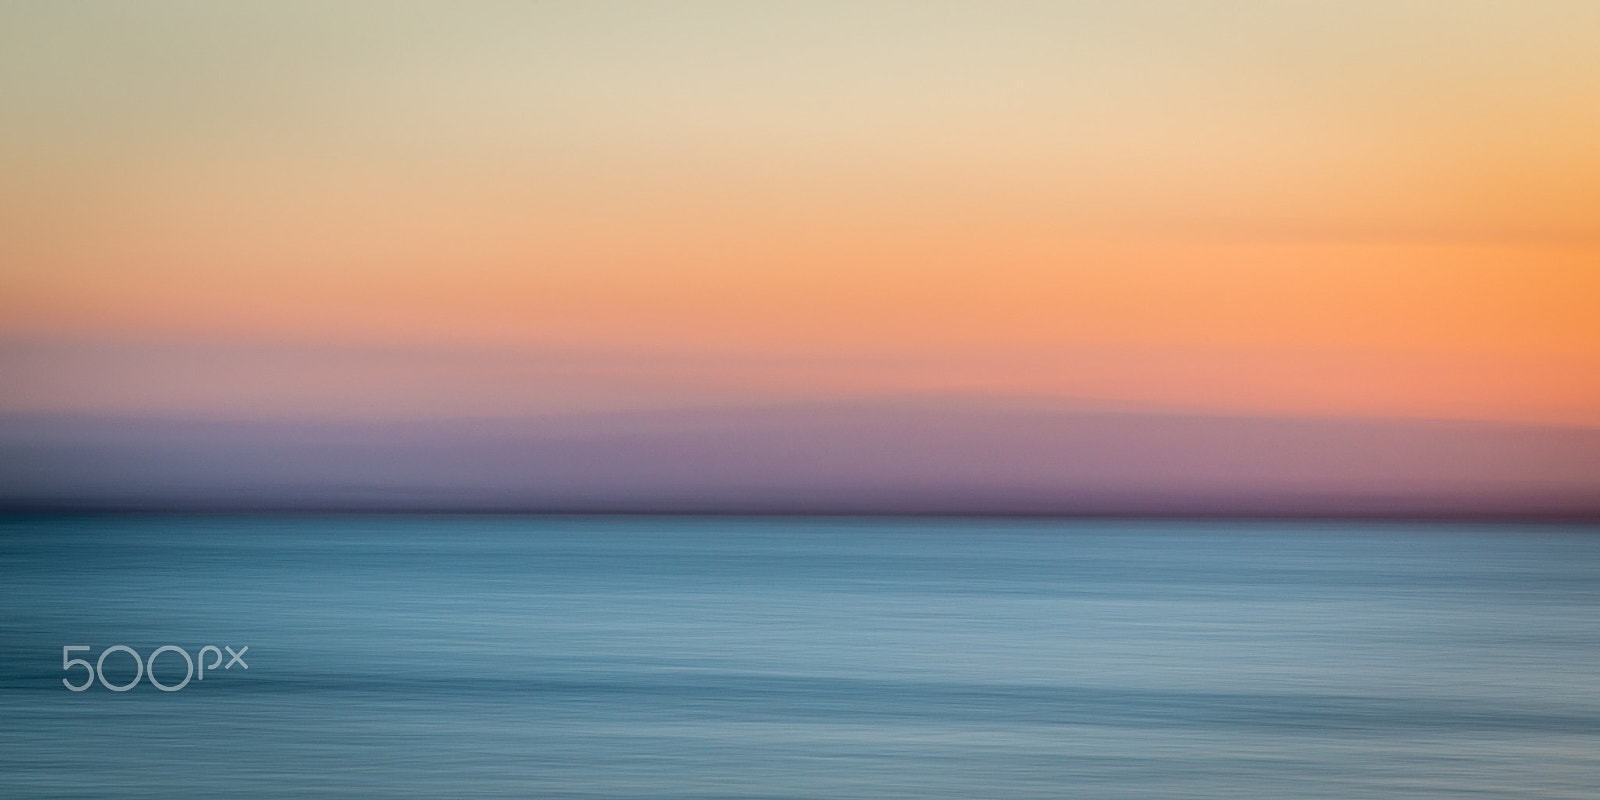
727,657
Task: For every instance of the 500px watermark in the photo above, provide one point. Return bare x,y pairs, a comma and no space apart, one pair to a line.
97,669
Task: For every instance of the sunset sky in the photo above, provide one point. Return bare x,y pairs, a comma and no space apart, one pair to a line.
416,210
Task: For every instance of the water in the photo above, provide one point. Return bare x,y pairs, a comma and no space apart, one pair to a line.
426,657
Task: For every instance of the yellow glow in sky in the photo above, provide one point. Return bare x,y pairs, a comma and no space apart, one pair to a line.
1330,208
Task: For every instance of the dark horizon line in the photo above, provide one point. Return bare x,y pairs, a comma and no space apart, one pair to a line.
902,459
1507,516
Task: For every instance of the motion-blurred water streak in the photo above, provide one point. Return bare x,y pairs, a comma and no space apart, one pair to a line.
679,657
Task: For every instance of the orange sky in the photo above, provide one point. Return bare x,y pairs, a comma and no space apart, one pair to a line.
1330,208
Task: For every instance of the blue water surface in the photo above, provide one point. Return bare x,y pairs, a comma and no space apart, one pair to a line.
706,658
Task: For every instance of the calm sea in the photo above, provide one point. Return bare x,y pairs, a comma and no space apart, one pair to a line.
706,658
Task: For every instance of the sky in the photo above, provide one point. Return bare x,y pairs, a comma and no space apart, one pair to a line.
395,210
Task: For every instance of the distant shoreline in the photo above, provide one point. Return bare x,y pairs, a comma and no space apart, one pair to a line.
1590,517
889,458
